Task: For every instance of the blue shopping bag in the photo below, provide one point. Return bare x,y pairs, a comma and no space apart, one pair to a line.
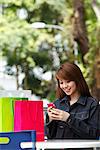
14,140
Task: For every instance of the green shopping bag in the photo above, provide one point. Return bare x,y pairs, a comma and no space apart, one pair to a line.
7,113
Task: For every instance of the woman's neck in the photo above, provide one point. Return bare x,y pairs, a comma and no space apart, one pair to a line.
74,98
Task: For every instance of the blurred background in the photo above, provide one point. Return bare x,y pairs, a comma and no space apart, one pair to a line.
36,36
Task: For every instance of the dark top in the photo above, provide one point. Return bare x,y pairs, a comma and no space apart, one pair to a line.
83,123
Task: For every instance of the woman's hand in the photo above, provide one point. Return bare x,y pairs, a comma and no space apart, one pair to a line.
57,114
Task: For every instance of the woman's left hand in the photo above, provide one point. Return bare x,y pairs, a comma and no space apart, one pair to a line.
58,114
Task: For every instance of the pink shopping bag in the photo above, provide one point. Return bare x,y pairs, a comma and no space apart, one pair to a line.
28,115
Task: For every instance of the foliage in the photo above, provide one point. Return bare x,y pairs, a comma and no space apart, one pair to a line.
26,48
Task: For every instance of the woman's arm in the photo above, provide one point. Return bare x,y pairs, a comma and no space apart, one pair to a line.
50,128
87,129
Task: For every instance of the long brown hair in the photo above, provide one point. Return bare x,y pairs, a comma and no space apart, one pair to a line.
70,71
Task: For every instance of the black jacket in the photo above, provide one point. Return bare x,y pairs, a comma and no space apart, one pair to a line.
83,123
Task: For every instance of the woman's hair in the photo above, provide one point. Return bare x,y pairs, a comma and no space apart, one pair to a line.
71,72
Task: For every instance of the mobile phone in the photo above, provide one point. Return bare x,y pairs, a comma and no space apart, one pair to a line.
51,105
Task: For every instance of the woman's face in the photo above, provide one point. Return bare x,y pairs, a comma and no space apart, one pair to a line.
69,87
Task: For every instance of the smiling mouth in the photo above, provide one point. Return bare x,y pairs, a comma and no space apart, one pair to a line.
68,90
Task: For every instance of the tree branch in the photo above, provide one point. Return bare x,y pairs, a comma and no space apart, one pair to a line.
96,9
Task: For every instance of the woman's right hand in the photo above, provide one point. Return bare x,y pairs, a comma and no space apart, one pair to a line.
49,113
57,114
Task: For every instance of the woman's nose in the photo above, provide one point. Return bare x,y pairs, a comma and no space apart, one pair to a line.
65,85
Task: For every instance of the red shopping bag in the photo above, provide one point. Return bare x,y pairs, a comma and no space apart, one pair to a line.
28,115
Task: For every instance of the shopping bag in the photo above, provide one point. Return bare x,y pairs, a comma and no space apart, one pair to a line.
7,113
28,115
13,99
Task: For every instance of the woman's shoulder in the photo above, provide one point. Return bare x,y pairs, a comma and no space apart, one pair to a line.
93,101
59,100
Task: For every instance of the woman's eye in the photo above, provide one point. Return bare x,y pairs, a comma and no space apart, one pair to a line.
68,81
61,82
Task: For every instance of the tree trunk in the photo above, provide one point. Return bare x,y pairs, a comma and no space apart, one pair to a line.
96,86
17,74
25,83
79,27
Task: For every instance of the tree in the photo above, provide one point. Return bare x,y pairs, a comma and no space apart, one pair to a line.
96,66
20,46
44,49
79,26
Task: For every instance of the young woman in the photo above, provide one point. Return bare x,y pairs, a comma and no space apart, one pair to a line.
76,115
